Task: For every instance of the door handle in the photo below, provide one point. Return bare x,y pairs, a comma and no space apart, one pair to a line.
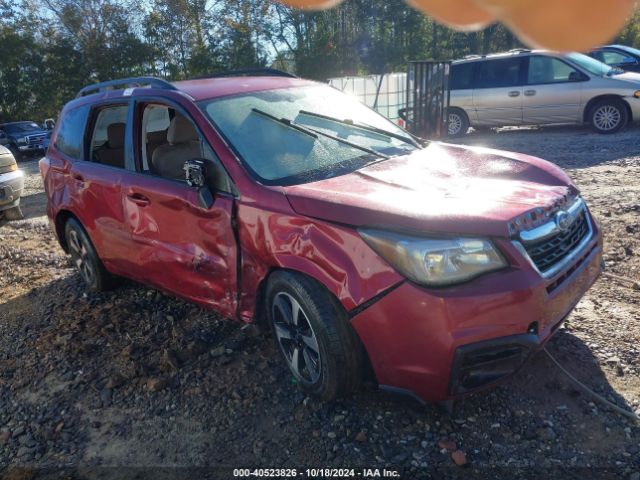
514,93
530,93
138,199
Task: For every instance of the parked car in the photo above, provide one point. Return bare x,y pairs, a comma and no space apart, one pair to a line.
11,185
23,138
439,268
620,56
538,87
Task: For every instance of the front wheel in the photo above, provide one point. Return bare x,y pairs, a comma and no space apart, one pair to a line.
314,336
85,258
608,116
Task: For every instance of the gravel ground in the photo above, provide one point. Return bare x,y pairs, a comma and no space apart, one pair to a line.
135,378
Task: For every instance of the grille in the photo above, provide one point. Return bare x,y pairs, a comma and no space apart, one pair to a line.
34,140
548,252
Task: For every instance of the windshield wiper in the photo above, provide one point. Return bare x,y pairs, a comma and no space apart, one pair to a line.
312,132
285,122
362,126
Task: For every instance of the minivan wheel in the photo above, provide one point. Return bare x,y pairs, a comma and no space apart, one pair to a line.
458,123
85,258
608,116
314,335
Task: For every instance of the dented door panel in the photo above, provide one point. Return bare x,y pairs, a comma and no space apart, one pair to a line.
178,245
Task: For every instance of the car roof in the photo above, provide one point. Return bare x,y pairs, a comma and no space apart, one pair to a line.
15,123
510,53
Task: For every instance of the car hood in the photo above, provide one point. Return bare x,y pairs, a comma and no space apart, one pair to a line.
442,189
27,134
629,77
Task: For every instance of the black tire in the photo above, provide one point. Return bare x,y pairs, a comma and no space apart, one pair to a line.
339,366
458,123
85,258
608,116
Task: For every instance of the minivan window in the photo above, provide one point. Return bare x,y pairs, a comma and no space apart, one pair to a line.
70,137
461,76
504,72
549,70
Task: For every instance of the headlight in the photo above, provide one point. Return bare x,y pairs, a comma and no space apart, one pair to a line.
435,261
636,94
22,140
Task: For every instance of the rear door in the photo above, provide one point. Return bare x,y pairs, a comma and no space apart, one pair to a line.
497,95
179,245
89,189
553,93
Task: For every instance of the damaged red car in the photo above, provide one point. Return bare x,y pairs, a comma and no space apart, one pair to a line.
436,268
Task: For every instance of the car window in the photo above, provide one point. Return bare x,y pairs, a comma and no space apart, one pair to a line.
504,72
461,76
70,136
549,70
108,137
611,57
169,139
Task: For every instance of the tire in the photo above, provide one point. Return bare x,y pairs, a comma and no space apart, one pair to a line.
13,213
458,123
85,258
608,116
330,356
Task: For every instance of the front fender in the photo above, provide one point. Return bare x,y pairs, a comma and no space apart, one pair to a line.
334,255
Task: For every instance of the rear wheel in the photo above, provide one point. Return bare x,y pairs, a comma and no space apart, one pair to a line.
458,123
85,258
314,335
13,213
608,116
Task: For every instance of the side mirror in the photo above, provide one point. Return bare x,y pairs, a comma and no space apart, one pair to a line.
575,77
196,174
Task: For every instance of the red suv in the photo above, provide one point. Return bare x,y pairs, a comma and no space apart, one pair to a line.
439,268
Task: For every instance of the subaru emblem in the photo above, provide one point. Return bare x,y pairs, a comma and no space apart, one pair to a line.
563,221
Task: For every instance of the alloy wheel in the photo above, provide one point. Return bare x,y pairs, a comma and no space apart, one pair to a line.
296,338
455,124
607,117
81,257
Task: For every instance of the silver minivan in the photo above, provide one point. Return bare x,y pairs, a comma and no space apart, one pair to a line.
538,87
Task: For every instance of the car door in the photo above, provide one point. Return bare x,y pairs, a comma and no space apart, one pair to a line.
180,245
95,184
553,91
497,95
461,86
618,58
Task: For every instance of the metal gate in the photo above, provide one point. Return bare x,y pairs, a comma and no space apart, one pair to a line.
427,99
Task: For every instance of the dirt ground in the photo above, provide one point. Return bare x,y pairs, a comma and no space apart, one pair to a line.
135,378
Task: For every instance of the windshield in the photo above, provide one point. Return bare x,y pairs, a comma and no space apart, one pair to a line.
591,65
303,134
21,127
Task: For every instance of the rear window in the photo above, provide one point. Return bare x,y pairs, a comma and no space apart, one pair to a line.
70,137
500,73
461,76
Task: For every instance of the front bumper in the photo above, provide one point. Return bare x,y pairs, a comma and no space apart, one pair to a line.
11,185
441,343
634,105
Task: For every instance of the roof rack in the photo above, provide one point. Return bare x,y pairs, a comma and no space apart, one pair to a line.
250,72
519,50
125,83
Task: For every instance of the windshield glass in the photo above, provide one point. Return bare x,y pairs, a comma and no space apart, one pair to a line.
286,154
21,127
591,65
